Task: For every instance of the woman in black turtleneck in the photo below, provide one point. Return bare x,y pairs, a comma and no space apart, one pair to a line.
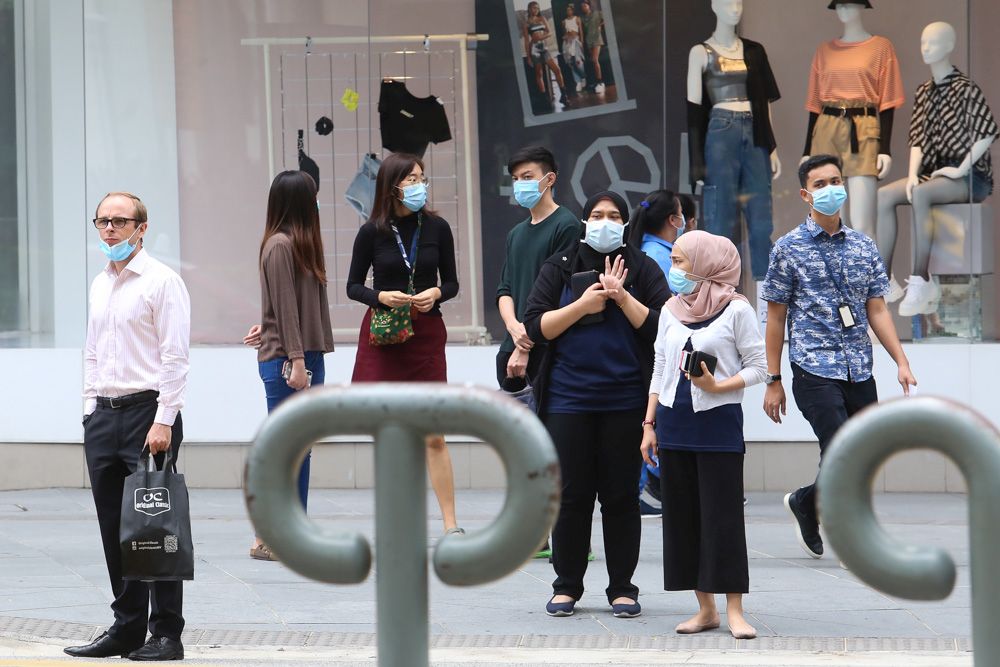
402,233
591,391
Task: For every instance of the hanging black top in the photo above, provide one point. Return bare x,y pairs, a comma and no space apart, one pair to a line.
408,122
306,163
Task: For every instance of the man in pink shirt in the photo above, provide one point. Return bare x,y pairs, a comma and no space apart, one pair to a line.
135,373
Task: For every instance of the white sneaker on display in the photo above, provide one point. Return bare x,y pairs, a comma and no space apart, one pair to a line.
599,89
896,291
580,85
922,297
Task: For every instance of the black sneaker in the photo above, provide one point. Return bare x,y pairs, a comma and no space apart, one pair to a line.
806,527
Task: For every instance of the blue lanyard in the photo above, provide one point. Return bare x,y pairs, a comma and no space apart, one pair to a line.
839,284
413,245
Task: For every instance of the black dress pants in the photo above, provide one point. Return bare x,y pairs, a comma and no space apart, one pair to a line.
113,440
599,459
827,404
704,536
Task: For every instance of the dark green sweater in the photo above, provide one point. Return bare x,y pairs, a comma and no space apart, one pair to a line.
528,246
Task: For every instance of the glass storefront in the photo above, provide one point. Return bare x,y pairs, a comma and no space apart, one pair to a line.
212,98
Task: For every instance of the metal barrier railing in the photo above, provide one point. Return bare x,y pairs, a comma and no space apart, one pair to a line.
399,416
904,570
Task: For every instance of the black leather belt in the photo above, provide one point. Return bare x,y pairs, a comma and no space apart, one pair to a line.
851,112
116,402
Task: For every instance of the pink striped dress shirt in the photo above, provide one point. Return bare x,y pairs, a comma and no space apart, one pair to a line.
138,335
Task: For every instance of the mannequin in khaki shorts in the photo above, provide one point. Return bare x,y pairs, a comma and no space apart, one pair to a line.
854,87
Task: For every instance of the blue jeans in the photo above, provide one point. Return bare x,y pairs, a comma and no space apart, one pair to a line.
738,176
277,390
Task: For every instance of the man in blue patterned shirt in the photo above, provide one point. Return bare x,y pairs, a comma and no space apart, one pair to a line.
829,283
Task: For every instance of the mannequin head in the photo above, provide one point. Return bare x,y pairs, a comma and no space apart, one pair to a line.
849,12
937,42
729,12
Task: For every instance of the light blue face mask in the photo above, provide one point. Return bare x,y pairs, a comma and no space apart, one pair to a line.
414,196
680,230
527,193
829,200
604,236
679,283
120,250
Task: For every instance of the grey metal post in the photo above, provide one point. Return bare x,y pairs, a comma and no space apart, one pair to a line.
904,570
399,416
401,546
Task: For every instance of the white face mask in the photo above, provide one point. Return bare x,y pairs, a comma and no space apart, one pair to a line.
604,236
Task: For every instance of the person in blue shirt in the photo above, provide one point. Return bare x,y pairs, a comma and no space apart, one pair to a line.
659,220
828,281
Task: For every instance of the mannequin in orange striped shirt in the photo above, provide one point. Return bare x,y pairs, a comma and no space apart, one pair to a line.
854,87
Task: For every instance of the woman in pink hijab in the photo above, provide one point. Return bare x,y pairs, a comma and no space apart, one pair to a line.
694,424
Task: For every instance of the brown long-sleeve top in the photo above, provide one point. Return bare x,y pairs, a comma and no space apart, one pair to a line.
295,311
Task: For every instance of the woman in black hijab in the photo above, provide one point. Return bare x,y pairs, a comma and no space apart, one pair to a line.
591,389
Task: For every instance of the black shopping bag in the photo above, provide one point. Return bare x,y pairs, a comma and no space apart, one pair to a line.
156,524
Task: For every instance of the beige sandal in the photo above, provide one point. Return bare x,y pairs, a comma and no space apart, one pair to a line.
262,552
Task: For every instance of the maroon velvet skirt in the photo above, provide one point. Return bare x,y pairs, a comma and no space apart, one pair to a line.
419,359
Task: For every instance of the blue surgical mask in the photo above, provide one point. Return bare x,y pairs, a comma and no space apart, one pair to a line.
414,196
829,200
527,193
680,230
120,250
679,283
604,236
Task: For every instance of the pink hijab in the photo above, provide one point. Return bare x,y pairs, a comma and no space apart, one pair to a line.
715,259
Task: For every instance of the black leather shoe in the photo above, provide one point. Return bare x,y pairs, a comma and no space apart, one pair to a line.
806,528
159,648
104,646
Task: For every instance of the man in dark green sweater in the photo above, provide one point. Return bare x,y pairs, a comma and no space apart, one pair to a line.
549,229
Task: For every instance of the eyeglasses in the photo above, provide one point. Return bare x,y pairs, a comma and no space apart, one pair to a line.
413,180
117,223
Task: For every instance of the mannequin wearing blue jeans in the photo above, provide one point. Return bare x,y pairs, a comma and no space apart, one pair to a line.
738,176
277,390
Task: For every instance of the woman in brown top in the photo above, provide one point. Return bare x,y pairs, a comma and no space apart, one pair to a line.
295,313
401,236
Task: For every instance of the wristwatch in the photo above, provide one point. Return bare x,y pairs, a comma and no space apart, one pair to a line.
770,379
651,422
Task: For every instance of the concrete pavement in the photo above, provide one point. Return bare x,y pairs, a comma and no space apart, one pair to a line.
54,592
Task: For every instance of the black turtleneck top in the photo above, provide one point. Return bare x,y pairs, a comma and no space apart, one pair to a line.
380,252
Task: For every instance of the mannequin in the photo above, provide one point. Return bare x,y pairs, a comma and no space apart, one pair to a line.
854,87
731,143
950,136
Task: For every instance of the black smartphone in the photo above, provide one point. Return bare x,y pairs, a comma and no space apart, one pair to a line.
578,284
691,363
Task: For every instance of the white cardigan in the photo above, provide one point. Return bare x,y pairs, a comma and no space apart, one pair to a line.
734,339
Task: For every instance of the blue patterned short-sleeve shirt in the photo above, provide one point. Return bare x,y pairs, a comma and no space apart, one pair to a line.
813,273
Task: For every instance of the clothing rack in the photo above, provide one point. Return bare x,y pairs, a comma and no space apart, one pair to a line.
475,331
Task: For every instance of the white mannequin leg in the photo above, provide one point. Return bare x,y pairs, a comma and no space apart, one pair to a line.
862,196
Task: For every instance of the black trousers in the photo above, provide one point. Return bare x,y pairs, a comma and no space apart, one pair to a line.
599,458
534,361
113,439
704,536
827,404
